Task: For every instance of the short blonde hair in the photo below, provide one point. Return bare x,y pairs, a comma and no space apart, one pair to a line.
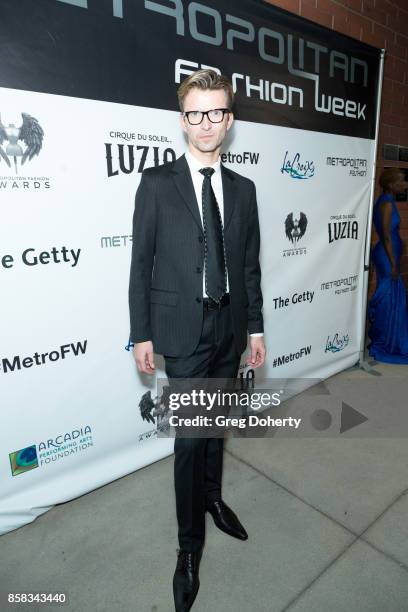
205,79
389,176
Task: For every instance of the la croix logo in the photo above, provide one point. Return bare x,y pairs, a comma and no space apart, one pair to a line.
297,169
336,343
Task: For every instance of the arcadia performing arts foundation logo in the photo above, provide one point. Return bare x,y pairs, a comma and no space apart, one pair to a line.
23,460
51,450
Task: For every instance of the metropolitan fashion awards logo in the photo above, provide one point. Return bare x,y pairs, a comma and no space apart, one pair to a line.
19,144
30,134
295,229
296,168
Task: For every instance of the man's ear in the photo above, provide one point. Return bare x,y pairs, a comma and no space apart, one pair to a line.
230,120
182,122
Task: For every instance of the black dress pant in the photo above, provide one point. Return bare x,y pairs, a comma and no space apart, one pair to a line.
198,461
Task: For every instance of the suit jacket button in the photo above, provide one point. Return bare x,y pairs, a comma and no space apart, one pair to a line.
200,239
198,299
198,270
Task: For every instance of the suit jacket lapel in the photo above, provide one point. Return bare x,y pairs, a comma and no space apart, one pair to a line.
184,183
230,194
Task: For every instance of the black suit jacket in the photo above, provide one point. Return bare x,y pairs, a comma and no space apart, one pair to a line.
166,274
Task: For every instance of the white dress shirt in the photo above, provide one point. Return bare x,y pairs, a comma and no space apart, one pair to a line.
216,181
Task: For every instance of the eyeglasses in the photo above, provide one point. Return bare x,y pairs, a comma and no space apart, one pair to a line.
215,116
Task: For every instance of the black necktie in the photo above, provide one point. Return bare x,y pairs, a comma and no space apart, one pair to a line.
214,256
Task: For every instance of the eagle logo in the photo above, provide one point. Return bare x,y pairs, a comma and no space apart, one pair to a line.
30,133
295,228
159,407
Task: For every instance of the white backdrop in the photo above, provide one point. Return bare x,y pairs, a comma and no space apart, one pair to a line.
78,415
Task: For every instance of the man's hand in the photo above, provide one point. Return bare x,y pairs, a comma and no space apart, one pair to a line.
143,354
258,352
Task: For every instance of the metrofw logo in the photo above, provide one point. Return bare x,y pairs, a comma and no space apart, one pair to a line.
30,134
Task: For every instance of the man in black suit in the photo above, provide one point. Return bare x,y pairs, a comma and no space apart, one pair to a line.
194,294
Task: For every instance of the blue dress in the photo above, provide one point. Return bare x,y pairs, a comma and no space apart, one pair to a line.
387,309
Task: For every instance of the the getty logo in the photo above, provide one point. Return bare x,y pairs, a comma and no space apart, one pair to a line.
296,168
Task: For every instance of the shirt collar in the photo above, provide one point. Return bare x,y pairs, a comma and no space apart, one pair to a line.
195,164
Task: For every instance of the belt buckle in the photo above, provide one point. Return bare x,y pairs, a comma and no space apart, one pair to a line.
211,302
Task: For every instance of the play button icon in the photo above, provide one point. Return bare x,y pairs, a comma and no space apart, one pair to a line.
350,417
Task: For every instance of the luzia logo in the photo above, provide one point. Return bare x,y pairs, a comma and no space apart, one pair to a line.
337,343
297,169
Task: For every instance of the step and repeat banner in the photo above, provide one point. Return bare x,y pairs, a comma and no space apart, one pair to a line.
87,101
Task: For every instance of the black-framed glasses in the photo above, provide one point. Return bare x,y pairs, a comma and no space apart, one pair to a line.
216,115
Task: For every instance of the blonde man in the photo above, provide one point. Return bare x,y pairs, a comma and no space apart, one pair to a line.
195,294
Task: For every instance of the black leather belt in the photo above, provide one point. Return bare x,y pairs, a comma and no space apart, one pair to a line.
210,304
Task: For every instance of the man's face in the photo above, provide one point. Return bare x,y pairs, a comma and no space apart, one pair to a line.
206,137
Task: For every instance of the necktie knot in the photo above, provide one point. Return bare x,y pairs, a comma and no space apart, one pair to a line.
207,172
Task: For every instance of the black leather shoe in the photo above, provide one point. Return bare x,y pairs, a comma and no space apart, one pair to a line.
185,581
226,519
